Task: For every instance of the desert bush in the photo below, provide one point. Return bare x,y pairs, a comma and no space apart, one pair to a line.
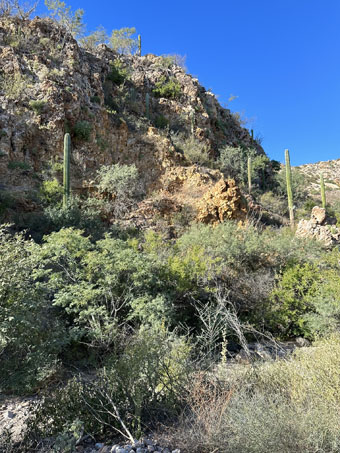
122,41
119,183
90,42
170,88
31,334
144,380
72,21
51,192
37,106
82,130
14,165
161,122
233,163
194,150
118,72
283,406
78,214
290,300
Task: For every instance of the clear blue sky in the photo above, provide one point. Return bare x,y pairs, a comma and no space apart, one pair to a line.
280,57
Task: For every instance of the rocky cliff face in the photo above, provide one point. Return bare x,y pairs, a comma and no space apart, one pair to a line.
49,86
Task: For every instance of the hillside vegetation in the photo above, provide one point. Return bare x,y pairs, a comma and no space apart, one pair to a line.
151,281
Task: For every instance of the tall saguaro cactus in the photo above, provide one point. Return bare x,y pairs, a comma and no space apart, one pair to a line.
323,191
66,181
139,45
249,174
289,188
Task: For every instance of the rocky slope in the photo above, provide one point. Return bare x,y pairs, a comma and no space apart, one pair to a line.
331,173
110,105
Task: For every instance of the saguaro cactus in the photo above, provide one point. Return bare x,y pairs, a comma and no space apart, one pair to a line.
67,154
323,191
139,45
147,105
289,188
249,174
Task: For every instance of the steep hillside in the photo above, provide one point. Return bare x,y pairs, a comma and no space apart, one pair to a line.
118,109
331,173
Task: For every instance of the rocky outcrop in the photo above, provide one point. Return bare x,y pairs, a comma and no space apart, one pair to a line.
49,85
223,202
318,228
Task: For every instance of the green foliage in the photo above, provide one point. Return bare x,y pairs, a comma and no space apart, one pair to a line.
37,106
14,86
291,300
122,41
95,99
31,335
18,165
118,73
298,183
73,22
119,179
82,130
233,163
161,122
170,88
51,192
90,42
194,150
146,376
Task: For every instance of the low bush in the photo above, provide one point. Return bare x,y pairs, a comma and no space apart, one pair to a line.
37,106
82,130
142,382
194,150
277,407
170,89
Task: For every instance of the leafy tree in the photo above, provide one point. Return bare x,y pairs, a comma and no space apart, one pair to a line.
31,334
91,41
122,41
73,22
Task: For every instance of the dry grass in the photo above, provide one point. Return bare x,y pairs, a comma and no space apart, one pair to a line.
290,406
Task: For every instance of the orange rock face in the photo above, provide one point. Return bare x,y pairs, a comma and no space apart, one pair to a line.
223,202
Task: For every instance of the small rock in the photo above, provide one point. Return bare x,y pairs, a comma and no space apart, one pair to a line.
151,448
176,451
10,414
140,450
98,446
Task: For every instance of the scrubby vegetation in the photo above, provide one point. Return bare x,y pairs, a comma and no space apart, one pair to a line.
124,324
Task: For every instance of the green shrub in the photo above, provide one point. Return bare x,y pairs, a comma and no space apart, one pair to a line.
95,99
37,106
161,122
145,378
170,89
51,192
31,333
195,151
82,130
14,165
118,73
290,300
